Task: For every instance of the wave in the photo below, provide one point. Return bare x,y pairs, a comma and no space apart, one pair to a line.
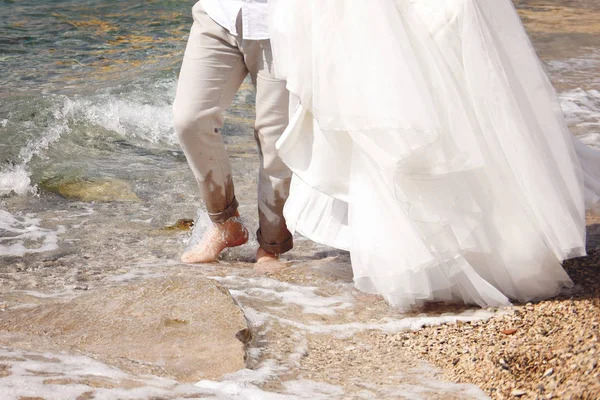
15,179
143,113
140,113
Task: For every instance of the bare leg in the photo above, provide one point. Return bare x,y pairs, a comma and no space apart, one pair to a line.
230,233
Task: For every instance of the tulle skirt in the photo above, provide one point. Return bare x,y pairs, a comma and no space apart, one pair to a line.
426,139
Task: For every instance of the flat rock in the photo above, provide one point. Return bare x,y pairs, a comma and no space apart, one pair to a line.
181,327
91,189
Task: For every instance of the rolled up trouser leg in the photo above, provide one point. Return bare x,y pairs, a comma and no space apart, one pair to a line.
272,99
213,69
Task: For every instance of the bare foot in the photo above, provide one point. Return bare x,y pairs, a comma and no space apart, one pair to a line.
230,233
263,256
268,262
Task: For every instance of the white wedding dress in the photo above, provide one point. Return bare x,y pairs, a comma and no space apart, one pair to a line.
426,139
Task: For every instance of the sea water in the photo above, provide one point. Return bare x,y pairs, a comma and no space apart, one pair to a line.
86,88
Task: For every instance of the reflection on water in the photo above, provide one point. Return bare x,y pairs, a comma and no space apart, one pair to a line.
68,45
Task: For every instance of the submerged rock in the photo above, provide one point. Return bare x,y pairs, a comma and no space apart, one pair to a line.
182,327
184,224
90,189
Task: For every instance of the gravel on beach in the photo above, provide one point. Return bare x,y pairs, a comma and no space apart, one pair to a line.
545,350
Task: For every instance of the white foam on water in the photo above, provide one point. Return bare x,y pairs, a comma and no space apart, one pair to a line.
88,210
128,115
48,136
294,390
574,65
63,295
142,270
286,293
143,112
300,351
243,384
61,376
15,179
582,109
283,294
388,325
577,70
134,275
143,221
23,235
307,389
69,215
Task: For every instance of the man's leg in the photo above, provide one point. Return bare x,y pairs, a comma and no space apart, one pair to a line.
213,69
272,100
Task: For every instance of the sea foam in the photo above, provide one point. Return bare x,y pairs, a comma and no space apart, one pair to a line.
22,235
15,179
144,113
582,110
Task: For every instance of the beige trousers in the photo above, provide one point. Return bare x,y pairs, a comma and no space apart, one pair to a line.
214,65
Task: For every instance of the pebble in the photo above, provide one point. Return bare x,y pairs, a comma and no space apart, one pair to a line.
548,372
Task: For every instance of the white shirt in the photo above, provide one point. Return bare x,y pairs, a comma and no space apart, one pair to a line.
255,22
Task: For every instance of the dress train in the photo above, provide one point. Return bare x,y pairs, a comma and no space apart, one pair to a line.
427,140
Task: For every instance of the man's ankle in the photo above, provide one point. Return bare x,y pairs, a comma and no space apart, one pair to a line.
264,256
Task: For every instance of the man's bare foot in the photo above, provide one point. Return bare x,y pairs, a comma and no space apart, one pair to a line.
230,233
269,263
263,256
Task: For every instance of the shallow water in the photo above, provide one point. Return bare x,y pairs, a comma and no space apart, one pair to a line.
85,96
